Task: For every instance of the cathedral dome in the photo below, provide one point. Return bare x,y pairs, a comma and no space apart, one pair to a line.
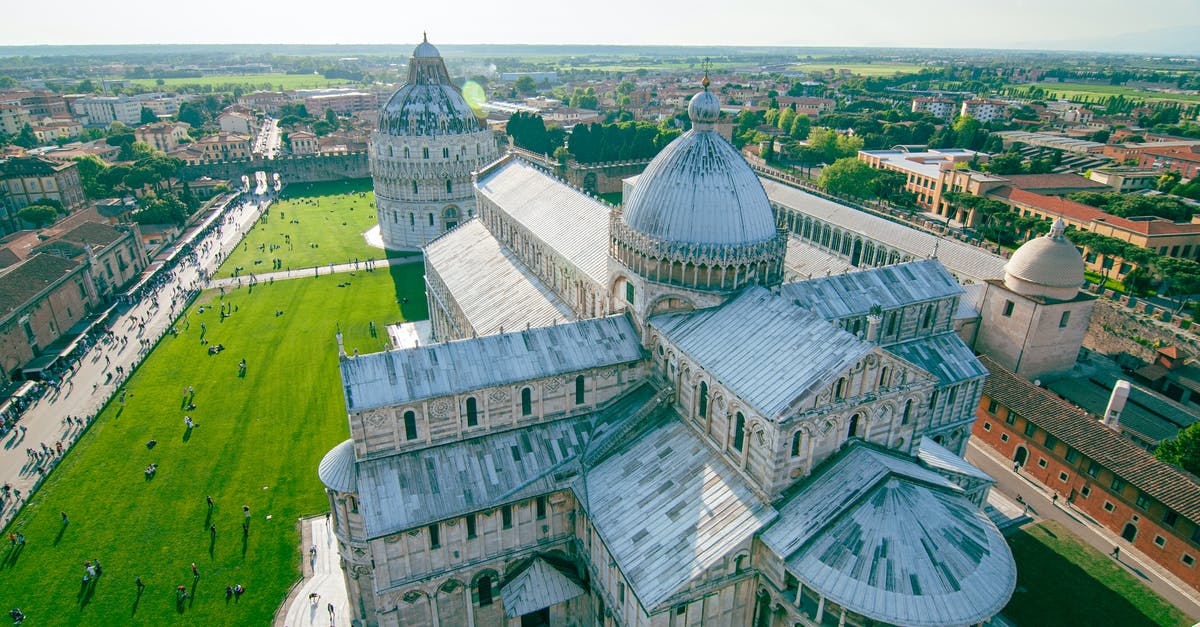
699,190
1048,266
337,468
428,104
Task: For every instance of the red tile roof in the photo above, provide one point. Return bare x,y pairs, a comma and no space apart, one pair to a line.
21,283
1084,433
1080,212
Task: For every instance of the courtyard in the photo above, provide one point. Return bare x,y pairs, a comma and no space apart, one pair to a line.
134,488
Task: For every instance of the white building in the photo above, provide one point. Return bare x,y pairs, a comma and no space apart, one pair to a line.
104,110
428,144
628,419
940,107
984,110
238,122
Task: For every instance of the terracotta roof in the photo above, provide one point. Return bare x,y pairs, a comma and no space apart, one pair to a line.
1053,181
31,166
92,233
1182,153
23,282
1079,212
1084,433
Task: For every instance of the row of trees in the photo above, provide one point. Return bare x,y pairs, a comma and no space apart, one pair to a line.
1136,205
596,143
850,177
529,131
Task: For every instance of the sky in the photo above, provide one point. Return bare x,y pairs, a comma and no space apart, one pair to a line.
1023,24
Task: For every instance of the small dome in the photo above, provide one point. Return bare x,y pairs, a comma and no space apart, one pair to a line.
704,108
425,50
699,190
337,468
1047,266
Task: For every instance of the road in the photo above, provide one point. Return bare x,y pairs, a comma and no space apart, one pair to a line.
268,140
1038,497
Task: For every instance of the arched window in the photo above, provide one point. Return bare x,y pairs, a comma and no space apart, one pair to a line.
883,377
796,443
412,219
425,152
430,219
739,432
839,391
484,586
414,186
406,154
703,409
410,425
907,412
526,401
445,153
853,430
449,186
739,563
928,317
353,503
472,412
579,391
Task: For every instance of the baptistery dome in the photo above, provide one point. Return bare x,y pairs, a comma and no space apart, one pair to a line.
428,104
1048,266
699,190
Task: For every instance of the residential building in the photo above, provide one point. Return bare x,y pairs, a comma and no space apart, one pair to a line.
303,143
30,179
163,136
1151,505
938,107
984,110
114,254
423,155
13,118
49,131
237,122
341,101
104,110
1126,180
222,147
624,417
268,102
1182,159
807,105
41,298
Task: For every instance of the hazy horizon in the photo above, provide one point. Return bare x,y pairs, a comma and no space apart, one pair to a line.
1162,26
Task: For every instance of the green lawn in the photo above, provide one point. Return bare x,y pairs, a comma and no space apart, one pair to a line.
258,442
883,68
1062,581
325,222
1071,90
226,82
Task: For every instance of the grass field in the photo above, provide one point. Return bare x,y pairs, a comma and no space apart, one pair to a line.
1071,90
883,68
253,81
325,223
1062,581
258,441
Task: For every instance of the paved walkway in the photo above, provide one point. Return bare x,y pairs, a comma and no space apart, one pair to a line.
1038,498
95,379
323,578
311,272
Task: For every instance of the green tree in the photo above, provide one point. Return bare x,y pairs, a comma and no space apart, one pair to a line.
331,117
801,125
848,176
26,138
40,216
89,168
1184,450
525,85
786,117
148,116
1182,277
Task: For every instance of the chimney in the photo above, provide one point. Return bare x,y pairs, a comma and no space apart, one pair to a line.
1116,403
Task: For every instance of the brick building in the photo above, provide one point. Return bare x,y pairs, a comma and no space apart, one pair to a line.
1152,505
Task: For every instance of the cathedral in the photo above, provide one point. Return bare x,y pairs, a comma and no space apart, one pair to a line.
628,417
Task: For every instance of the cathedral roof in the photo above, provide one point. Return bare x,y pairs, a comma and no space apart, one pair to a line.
428,103
893,541
699,190
493,289
764,348
337,468
944,356
668,508
402,376
572,223
890,287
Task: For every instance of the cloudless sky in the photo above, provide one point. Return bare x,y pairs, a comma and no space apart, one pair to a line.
909,23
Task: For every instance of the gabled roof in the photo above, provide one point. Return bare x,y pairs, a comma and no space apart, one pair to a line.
668,509
490,285
945,356
891,287
766,349
893,541
573,224
539,586
1079,430
20,283
402,376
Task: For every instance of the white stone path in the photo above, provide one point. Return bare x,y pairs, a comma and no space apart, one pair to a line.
323,577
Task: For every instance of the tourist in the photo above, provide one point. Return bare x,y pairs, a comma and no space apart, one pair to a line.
137,581
1116,553
195,571
209,500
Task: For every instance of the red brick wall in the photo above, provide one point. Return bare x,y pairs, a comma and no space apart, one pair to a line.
993,430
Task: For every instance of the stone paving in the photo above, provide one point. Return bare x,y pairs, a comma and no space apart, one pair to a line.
322,578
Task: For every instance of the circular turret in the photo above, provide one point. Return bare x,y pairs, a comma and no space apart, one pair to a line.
1048,266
